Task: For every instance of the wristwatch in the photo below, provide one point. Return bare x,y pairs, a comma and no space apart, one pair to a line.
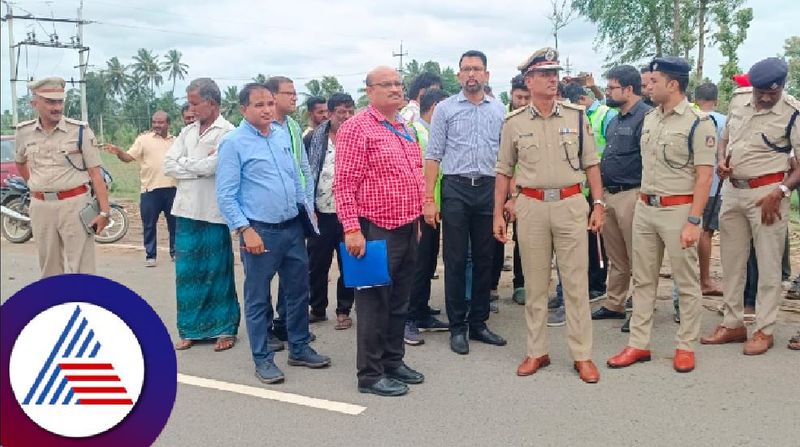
242,229
599,202
694,220
103,214
785,190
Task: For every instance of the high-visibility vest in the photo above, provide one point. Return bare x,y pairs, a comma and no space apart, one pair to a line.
296,138
597,120
422,134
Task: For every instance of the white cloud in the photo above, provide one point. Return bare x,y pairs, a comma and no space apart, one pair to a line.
234,40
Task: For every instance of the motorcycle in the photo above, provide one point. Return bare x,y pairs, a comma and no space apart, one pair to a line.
15,225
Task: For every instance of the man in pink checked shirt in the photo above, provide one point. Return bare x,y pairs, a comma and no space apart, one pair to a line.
379,189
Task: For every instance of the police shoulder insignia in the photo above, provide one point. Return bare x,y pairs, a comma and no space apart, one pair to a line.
515,112
76,122
742,90
792,101
572,106
25,123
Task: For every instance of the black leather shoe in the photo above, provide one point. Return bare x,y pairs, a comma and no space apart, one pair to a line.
627,326
459,344
406,375
434,311
486,336
385,387
604,314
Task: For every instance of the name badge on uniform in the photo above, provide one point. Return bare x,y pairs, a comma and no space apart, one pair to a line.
566,131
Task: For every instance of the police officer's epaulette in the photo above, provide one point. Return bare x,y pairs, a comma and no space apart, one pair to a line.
742,90
76,122
700,114
792,101
515,112
25,123
570,105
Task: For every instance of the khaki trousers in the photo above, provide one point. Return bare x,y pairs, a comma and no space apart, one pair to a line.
63,244
618,240
740,220
653,230
543,227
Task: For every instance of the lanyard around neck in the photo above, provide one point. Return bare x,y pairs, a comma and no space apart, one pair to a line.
404,135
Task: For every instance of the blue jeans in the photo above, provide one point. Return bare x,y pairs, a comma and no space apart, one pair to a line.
151,205
287,257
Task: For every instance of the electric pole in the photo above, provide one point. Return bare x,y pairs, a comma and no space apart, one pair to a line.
12,64
400,55
54,42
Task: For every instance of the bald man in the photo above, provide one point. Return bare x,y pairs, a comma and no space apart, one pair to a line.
379,162
157,190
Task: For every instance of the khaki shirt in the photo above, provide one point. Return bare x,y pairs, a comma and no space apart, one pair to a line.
668,169
544,151
750,156
46,154
149,150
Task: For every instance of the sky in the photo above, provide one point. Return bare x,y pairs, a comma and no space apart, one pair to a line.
233,40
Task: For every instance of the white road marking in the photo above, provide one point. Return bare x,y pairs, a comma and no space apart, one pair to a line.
321,404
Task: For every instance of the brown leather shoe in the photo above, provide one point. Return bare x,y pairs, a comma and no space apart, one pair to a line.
758,344
684,361
628,357
530,365
724,335
587,371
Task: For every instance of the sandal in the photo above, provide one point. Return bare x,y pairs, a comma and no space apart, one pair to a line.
224,343
184,345
343,322
794,342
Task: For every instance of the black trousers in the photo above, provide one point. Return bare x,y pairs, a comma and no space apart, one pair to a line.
320,257
519,277
151,204
427,254
597,275
498,259
382,311
467,217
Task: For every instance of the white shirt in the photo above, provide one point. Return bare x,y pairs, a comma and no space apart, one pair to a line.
325,201
192,160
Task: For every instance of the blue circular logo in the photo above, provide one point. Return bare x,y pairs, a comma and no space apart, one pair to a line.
86,361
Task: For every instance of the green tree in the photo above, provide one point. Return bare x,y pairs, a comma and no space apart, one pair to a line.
146,66
732,31
116,75
792,54
450,82
260,78
324,87
174,67
230,105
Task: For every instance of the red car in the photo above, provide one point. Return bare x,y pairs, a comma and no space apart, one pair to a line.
7,165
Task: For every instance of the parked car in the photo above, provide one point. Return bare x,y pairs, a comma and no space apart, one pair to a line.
7,165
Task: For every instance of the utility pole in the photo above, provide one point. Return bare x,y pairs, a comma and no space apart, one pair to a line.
82,61
54,42
400,55
568,68
13,63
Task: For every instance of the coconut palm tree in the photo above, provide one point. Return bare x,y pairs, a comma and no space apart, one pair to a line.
174,68
116,76
147,67
230,103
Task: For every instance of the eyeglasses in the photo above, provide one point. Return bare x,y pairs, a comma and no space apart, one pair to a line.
387,84
472,69
612,88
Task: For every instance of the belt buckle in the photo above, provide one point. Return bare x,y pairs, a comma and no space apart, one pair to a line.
473,181
654,200
552,195
740,183
50,195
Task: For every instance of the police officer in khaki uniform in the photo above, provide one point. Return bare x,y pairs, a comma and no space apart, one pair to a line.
762,129
678,146
58,173
550,144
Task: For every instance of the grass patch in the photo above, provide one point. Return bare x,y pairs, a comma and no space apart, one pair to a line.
126,178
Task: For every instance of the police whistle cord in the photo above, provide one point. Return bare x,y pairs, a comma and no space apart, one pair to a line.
707,216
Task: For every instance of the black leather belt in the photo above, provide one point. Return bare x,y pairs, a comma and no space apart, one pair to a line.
276,226
471,181
614,189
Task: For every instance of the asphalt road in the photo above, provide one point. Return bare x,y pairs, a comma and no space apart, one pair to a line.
474,400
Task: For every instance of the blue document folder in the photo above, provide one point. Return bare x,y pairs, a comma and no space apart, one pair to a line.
371,270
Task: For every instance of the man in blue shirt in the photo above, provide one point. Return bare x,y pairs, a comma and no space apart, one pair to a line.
260,195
